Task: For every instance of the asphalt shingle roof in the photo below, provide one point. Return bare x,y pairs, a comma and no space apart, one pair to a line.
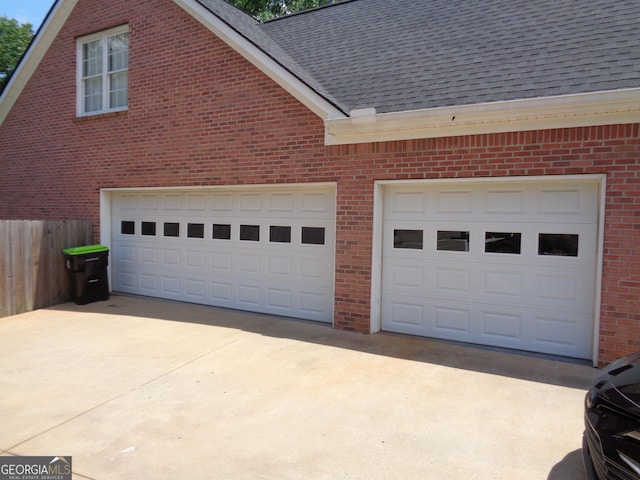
398,55
252,30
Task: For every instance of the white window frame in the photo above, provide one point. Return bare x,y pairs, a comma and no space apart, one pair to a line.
103,36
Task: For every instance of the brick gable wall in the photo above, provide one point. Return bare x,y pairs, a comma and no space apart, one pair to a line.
199,114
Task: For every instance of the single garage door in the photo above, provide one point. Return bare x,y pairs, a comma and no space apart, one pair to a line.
263,250
504,264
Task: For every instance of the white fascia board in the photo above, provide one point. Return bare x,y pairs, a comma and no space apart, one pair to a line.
579,110
32,58
298,89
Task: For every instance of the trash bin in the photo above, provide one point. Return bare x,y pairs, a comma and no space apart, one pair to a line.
87,267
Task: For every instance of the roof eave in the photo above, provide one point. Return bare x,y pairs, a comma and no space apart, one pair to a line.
46,34
298,89
578,110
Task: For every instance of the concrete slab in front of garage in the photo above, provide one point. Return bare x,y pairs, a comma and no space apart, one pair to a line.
141,388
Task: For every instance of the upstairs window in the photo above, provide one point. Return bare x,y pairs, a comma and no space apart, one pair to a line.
103,72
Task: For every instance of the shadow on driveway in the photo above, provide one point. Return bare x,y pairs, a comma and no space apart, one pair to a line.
510,363
134,387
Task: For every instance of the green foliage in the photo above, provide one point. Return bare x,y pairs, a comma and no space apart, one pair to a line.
14,40
267,9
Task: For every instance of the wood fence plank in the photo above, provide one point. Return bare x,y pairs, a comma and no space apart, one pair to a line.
6,274
37,268
57,242
17,259
24,264
32,271
68,240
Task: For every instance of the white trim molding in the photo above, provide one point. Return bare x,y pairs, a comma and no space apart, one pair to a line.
32,58
378,219
579,110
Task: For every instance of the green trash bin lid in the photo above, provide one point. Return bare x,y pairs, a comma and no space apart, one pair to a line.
85,249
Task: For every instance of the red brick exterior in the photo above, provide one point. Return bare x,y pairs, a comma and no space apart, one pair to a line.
199,114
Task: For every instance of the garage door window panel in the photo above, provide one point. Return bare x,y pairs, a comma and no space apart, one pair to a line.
195,230
221,231
453,240
313,235
250,233
171,229
503,242
279,234
148,228
558,245
127,227
412,239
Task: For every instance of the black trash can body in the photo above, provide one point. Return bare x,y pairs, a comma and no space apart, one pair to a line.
87,268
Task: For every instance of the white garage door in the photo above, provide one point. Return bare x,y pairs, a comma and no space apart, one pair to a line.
503,264
262,250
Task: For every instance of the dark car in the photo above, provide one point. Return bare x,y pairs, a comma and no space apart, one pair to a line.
611,443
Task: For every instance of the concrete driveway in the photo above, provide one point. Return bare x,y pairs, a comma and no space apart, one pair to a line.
135,388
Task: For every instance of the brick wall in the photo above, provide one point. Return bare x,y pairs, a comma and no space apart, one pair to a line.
614,150
201,115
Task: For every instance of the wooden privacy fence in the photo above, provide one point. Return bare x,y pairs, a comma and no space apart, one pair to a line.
32,271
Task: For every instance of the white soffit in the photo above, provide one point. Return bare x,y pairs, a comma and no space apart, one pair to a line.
579,110
28,64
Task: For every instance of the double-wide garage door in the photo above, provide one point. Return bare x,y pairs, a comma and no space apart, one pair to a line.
502,264
260,249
